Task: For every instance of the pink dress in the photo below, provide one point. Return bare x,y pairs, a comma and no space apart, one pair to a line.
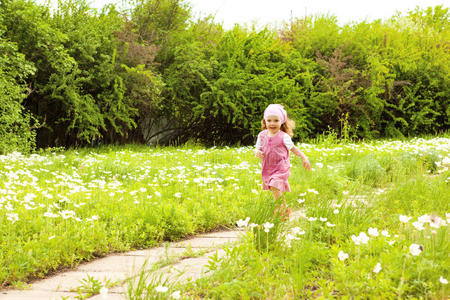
275,164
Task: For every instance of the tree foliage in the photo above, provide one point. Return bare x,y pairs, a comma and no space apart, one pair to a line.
81,76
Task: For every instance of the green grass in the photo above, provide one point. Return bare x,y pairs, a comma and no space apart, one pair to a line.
61,208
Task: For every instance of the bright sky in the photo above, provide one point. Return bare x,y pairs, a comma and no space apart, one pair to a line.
274,12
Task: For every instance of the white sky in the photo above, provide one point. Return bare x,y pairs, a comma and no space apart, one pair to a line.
274,12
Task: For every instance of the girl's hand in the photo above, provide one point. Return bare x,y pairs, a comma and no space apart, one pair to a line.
259,153
306,164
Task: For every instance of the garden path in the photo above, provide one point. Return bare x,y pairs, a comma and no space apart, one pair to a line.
178,261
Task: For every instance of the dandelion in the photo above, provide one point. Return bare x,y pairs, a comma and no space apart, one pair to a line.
443,280
373,231
404,219
415,249
342,255
176,295
161,289
243,223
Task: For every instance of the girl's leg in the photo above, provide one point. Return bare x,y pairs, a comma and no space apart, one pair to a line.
276,192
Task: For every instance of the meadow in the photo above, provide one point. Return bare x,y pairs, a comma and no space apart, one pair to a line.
374,216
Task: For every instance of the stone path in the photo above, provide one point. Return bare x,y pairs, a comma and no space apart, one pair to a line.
178,261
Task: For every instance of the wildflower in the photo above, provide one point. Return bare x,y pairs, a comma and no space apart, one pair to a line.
176,295
320,165
391,243
252,225
311,219
424,219
342,255
301,200
13,217
330,224
443,280
322,219
404,219
157,193
313,191
415,249
267,226
243,223
104,292
345,192
377,268
418,225
161,289
336,211
373,231
297,230
385,233
178,195
362,238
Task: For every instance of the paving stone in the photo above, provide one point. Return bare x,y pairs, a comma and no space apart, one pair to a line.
117,263
223,234
205,242
71,280
34,295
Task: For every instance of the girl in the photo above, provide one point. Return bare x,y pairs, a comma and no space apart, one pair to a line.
273,146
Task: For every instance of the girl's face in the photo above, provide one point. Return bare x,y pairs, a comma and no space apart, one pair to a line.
273,124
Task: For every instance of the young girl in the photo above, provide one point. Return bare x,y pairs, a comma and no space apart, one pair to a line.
273,146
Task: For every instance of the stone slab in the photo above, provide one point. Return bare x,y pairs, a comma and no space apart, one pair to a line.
204,242
117,263
70,281
34,295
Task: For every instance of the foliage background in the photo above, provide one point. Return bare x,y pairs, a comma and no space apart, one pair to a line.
154,74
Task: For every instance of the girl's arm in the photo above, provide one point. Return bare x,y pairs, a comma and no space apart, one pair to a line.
300,154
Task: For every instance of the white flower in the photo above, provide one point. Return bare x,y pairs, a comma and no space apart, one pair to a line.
391,243
301,200
404,219
320,165
323,219
443,280
297,230
342,255
415,249
362,238
158,194
243,223
267,226
345,192
313,191
178,195
311,219
104,292
251,225
418,225
176,295
161,289
336,211
377,268
330,224
373,231
385,233
424,219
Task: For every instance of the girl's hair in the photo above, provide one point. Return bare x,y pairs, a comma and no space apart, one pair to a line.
287,126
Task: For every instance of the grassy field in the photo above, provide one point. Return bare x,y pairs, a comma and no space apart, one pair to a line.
375,216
